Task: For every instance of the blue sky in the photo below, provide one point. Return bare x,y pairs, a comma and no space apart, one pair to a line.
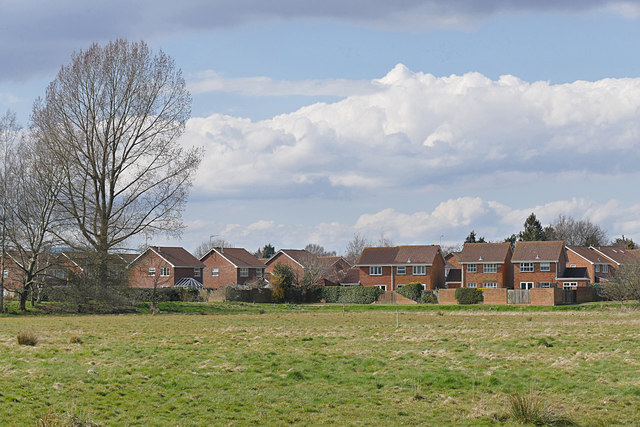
418,119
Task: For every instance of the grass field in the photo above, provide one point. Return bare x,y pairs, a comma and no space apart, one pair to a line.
303,365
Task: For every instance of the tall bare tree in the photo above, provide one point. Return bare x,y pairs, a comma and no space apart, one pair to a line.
318,250
355,247
204,247
579,232
111,120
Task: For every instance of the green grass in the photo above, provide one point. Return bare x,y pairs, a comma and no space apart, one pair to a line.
319,365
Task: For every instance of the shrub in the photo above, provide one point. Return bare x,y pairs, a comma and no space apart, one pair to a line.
350,294
530,408
429,296
469,296
27,338
412,291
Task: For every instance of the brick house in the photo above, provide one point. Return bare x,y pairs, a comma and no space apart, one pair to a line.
597,264
486,265
392,267
452,271
166,266
618,256
332,269
224,266
543,265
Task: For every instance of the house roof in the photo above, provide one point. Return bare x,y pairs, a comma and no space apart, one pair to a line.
399,255
352,276
301,256
485,252
589,254
574,273
239,257
175,255
619,255
538,251
454,276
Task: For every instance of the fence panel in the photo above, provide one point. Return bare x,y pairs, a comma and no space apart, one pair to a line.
518,296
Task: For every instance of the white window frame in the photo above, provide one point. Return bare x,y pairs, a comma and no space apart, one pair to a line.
5,273
605,268
165,271
152,272
597,268
472,268
401,270
196,271
472,285
259,273
570,285
490,268
244,272
215,272
527,285
545,266
544,285
491,285
383,287
526,267
419,270
375,270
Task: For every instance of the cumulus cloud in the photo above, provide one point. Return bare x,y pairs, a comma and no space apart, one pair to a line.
419,130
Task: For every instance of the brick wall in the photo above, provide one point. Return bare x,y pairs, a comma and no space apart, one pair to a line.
285,260
447,297
495,296
546,296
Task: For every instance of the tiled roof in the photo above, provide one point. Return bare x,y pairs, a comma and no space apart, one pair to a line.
619,255
537,251
240,257
575,273
589,254
352,276
177,256
301,256
454,276
399,255
485,252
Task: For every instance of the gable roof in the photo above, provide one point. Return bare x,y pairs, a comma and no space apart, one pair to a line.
485,252
333,260
618,255
589,254
399,255
301,256
239,257
177,256
538,251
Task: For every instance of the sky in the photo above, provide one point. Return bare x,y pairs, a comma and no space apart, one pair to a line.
419,120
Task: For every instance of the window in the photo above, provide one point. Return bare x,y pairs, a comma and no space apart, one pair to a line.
383,287
259,273
597,268
569,285
5,273
472,285
375,271
401,270
244,272
215,272
526,285
152,271
490,268
545,266
196,272
605,268
490,285
526,267
472,268
572,266
165,271
419,270
544,284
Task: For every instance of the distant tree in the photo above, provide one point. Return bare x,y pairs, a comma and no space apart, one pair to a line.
355,247
318,250
384,241
266,252
204,247
624,284
447,249
471,238
282,278
512,239
576,232
631,245
623,242
533,230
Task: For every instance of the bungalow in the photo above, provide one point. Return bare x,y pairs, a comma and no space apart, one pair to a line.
166,266
543,265
392,267
598,265
486,265
224,266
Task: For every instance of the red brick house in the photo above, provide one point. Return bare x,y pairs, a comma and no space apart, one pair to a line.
332,268
452,271
392,267
486,265
543,265
166,266
618,256
225,266
598,265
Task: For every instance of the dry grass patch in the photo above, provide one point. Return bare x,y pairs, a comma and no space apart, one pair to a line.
27,338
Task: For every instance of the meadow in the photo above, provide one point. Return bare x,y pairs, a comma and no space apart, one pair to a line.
252,364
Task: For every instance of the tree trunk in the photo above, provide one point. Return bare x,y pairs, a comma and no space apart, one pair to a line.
23,299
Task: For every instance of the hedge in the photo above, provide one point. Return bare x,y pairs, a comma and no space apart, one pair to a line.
412,291
70,294
469,296
350,294
429,297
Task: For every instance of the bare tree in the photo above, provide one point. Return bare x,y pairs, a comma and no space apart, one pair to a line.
318,250
384,241
624,284
111,120
204,247
355,247
580,232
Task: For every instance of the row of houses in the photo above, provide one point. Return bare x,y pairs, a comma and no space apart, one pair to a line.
479,265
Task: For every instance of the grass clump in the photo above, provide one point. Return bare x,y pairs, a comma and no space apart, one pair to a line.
532,408
27,338
75,340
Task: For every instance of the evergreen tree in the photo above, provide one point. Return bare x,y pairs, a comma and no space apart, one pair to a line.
533,230
471,238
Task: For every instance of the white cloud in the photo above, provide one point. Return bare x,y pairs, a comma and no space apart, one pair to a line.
419,130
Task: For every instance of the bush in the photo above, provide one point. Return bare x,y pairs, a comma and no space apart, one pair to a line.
27,338
429,296
469,296
350,294
412,291
531,408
